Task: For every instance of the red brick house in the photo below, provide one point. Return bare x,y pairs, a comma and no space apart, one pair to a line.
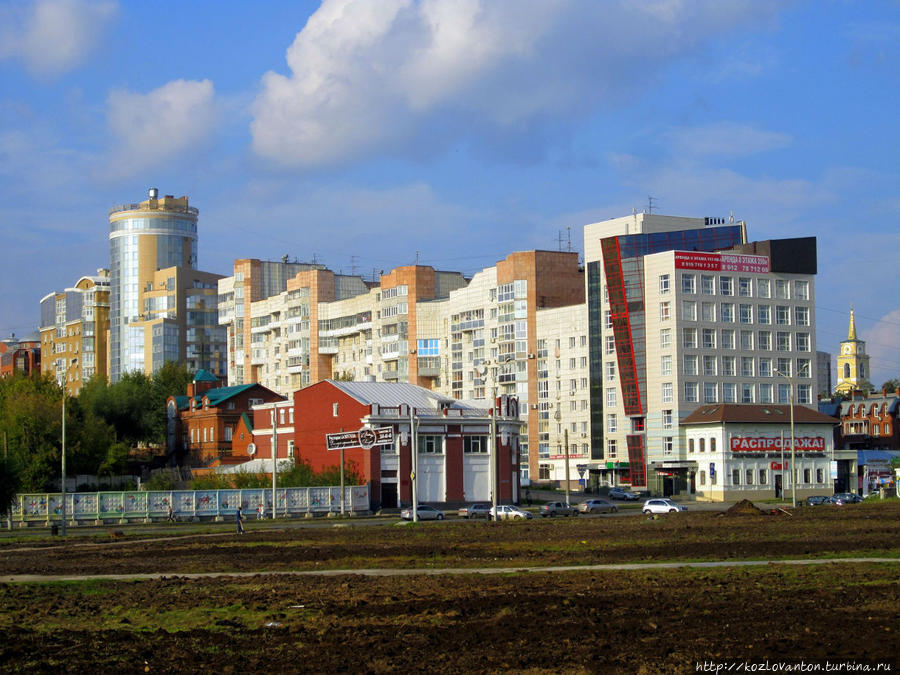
452,440
202,424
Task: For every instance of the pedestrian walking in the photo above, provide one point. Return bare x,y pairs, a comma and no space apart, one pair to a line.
170,515
239,517
259,511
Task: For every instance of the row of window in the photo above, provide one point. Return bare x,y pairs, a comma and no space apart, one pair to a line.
730,392
711,338
728,312
709,284
733,366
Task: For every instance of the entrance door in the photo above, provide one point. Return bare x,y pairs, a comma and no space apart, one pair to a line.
693,483
668,486
777,486
389,495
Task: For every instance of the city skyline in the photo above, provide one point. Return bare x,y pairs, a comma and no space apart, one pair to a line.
370,136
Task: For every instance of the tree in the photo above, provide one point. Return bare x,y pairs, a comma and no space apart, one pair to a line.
891,385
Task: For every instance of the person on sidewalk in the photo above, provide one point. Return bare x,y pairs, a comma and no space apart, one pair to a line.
239,517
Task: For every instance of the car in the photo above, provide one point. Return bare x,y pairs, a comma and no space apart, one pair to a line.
557,509
817,500
510,512
424,512
597,506
623,494
475,511
841,498
662,506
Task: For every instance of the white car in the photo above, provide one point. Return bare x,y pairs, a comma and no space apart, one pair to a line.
423,511
662,506
510,512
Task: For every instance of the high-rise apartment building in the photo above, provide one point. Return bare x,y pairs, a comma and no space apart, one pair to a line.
684,312
74,329
161,307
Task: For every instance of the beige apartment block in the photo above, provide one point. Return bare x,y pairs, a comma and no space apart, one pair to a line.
75,331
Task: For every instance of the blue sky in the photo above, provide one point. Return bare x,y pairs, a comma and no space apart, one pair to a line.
368,135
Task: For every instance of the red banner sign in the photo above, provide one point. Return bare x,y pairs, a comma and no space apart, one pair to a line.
721,262
763,444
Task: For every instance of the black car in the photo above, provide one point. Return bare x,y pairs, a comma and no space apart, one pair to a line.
846,498
817,500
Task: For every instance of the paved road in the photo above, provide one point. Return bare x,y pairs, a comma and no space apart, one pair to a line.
372,572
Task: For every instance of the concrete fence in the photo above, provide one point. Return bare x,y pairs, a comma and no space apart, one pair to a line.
93,508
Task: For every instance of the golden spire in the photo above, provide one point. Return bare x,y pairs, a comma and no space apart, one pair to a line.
851,334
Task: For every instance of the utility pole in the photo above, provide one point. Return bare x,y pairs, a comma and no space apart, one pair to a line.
274,459
414,464
63,507
566,441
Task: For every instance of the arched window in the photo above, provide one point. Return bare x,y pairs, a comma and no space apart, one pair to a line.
846,371
862,370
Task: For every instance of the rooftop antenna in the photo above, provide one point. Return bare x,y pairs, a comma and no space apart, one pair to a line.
353,260
417,258
731,217
569,230
559,240
650,201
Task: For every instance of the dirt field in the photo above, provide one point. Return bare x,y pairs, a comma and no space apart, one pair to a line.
647,621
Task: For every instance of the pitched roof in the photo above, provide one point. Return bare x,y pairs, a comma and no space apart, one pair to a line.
216,396
205,376
892,401
247,420
755,413
392,394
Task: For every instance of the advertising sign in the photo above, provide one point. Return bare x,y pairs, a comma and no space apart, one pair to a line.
764,444
721,262
363,438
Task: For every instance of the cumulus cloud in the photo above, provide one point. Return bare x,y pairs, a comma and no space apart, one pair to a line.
157,126
52,37
726,139
883,344
403,75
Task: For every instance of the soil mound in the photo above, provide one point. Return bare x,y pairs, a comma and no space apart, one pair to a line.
745,508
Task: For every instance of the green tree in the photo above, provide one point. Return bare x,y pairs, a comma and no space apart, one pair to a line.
170,380
891,385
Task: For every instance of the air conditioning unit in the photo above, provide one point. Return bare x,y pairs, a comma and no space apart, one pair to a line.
531,356
534,406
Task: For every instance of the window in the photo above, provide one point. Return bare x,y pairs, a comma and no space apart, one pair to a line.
806,476
689,337
664,311
690,445
728,366
712,444
747,391
803,342
637,425
726,286
702,445
801,292
665,365
708,311
749,474
611,424
667,445
746,313
691,392
610,397
782,341
334,409
702,478
804,394
475,444
782,289
667,419
765,367
727,338
709,338
607,319
727,313
665,338
688,283
690,364
763,477
765,393
783,366
735,476
611,451
609,368
764,342
746,340
710,393
228,433
709,365
763,288
664,284
707,284
784,393
782,315
610,344
689,310
820,476
667,393
764,314
745,287
431,445
801,316
747,366
729,392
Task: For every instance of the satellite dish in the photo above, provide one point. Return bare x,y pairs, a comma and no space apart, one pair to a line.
251,449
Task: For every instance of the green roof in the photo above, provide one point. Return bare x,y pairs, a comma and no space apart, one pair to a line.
205,376
248,421
217,396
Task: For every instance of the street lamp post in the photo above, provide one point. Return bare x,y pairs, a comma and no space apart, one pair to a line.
793,440
63,507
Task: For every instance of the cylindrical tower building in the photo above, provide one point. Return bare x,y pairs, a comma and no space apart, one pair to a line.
156,234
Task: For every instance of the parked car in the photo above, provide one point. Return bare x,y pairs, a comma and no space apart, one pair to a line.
846,498
475,511
623,494
818,500
557,509
510,512
597,506
425,512
662,506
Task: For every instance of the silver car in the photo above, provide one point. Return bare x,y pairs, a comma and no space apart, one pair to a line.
597,506
475,511
423,511
662,506
510,512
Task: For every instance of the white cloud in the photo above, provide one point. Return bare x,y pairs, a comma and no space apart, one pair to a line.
400,75
53,36
883,345
726,139
153,127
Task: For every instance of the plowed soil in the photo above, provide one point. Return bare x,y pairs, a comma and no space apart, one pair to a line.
638,621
